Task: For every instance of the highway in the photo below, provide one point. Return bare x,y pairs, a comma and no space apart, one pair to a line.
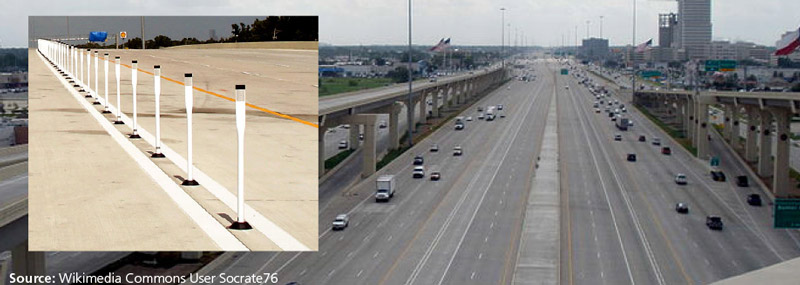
621,218
451,231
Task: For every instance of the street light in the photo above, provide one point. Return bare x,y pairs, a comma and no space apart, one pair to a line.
409,106
502,37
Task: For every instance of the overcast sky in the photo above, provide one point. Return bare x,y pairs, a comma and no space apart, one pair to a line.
468,22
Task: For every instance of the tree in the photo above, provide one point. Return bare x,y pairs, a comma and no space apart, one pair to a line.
162,41
398,75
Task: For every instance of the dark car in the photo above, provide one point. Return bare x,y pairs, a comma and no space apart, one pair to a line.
418,160
632,157
435,176
714,222
754,200
718,175
682,208
666,150
741,181
642,138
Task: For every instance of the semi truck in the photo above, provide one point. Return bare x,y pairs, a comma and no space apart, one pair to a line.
622,123
385,188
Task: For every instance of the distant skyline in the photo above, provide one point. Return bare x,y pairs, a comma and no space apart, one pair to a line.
467,22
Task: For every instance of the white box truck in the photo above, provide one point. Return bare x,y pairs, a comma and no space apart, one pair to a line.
490,113
385,188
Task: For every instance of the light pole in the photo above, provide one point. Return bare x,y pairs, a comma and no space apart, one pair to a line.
502,37
601,27
587,28
633,53
409,105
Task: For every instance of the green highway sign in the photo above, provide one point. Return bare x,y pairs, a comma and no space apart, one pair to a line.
787,213
720,65
651,73
564,71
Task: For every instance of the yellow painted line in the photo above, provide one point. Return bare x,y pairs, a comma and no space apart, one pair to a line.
262,109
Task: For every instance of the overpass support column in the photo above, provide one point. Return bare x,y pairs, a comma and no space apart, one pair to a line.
394,125
368,120
727,131
354,130
765,145
321,149
701,137
679,115
25,262
780,179
411,113
734,126
423,108
435,100
750,151
691,125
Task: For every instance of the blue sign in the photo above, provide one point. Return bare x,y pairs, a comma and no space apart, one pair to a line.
98,36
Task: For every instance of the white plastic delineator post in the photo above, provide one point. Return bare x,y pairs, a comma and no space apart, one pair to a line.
88,85
96,79
80,72
240,223
189,99
157,91
119,107
106,110
134,72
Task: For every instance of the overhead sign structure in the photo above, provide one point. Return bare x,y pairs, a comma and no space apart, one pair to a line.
720,65
123,34
787,213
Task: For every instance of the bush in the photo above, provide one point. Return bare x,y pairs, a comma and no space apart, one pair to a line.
352,83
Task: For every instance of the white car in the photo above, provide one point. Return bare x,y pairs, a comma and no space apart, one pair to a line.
469,119
457,150
480,116
419,172
680,179
340,222
342,144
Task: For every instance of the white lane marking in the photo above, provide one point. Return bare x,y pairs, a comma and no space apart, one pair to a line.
472,276
359,272
480,255
389,239
375,255
303,272
215,231
331,273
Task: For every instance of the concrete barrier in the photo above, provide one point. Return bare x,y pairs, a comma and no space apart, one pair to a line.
254,45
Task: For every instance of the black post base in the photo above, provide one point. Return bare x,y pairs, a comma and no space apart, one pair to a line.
240,226
106,112
134,136
97,103
119,122
87,96
157,155
189,183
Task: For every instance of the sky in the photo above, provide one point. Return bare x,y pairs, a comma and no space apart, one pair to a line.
466,22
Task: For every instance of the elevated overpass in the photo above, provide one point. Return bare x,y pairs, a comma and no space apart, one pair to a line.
768,114
14,211
361,108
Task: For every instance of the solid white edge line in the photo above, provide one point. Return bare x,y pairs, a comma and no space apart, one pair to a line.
219,234
272,231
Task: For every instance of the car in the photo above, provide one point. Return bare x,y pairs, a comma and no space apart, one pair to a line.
595,105
656,141
469,119
616,111
718,175
480,109
346,126
433,79
459,126
340,222
382,125
630,123
480,116
682,208
741,181
754,200
624,110
361,137
435,176
617,137
457,150
680,179
342,144
642,138
614,118
666,150
566,87
632,157
714,222
502,114
499,106
418,160
597,110
419,172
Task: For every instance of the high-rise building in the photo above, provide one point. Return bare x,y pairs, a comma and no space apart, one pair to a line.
594,48
667,29
694,24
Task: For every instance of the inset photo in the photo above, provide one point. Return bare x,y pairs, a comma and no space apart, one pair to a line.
173,133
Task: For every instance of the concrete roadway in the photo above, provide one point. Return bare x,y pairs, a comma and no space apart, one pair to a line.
646,241
462,229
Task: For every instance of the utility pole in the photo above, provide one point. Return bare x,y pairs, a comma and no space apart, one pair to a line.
502,37
142,20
